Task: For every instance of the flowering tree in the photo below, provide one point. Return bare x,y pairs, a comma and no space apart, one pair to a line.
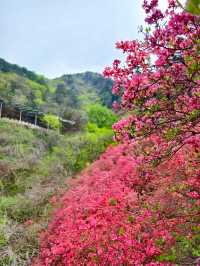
159,82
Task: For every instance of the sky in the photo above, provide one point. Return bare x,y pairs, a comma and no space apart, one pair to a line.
56,37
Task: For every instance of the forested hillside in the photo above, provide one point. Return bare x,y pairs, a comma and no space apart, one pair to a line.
84,88
21,71
21,86
66,97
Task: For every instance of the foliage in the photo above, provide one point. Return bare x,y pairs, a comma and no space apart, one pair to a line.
91,127
65,96
101,116
15,89
51,121
79,117
22,71
130,207
102,87
193,6
126,209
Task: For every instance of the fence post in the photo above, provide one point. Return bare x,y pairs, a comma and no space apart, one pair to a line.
20,116
35,119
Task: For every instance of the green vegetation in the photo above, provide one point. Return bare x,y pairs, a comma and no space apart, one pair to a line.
21,71
84,88
21,86
51,121
25,94
193,6
184,250
15,89
101,116
34,166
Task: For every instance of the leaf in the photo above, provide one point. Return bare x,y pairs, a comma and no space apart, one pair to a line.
193,6
121,231
112,202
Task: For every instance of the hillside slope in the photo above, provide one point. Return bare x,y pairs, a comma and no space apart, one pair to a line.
34,165
84,88
21,86
117,213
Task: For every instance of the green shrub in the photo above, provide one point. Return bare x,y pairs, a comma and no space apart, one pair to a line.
7,203
82,149
91,128
184,249
101,116
51,121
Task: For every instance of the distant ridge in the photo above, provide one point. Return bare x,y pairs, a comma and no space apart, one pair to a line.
22,71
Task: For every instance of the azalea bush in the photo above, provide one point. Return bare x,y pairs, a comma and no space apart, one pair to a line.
118,213
159,82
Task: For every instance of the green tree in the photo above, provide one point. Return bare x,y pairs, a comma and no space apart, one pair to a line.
101,116
51,121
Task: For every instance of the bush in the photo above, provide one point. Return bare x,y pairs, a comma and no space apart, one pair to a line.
51,121
75,152
101,116
92,128
124,217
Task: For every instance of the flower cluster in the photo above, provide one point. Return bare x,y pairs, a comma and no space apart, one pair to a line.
120,212
159,82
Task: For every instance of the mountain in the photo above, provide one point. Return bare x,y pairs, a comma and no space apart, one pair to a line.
84,88
66,96
21,86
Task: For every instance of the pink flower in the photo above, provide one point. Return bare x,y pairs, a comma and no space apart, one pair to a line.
194,195
28,222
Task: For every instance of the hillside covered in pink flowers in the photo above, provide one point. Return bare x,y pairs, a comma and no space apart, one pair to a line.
121,213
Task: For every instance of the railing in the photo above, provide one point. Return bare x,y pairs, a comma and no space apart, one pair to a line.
35,114
23,123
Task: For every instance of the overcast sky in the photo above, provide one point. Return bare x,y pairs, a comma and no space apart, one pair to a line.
53,37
